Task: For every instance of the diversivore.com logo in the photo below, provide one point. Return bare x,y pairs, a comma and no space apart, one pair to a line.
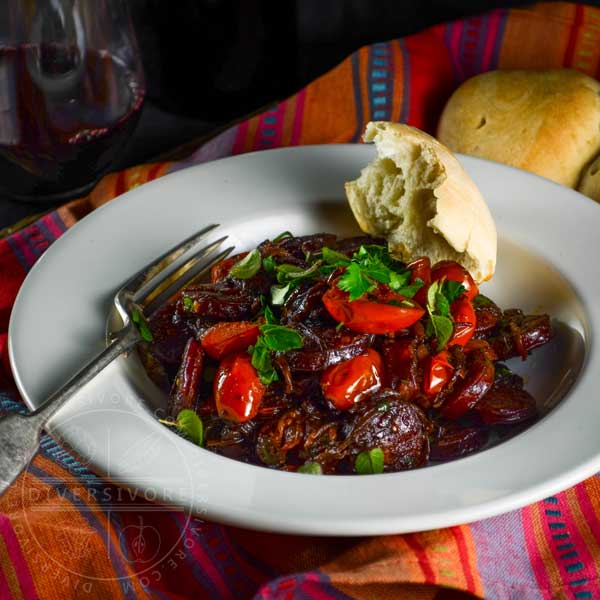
142,526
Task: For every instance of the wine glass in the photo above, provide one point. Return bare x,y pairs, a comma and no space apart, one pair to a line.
71,91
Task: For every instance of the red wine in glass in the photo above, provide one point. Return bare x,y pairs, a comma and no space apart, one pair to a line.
64,117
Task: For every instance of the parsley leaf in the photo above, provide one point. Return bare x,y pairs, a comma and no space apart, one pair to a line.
279,338
370,462
247,267
355,281
370,265
282,236
188,303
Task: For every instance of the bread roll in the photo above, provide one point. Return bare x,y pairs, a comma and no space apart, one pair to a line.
546,121
417,196
590,180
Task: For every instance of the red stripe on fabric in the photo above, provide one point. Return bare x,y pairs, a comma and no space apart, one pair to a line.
422,557
24,248
298,117
206,563
577,22
463,552
153,172
52,227
240,138
431,78
490,41
535,560
120,183
17,559
456,34
4,589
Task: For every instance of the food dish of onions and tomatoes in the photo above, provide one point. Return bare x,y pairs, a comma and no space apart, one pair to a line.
326,355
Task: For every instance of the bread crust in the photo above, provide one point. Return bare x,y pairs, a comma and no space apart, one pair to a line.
544,121
455,209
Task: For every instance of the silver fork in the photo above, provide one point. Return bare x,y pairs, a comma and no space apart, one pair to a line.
143,293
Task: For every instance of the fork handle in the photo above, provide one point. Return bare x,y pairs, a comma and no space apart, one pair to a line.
20,434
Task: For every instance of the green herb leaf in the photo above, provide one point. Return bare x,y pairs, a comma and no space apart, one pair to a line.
269,316
443,329
442,305
279,293
261,361
279,338
370,462
142,325
339,326
247,267
190,425
452,290
480,301
287,273
439,315
312,468
269,265
333,257
282,236
409,291
355,282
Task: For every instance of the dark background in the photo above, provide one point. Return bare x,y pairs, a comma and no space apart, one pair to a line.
208,62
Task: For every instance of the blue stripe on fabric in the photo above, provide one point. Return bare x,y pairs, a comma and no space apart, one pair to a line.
578,582
499,38
92,521
573,567
269,120
564,546
378,87
560,536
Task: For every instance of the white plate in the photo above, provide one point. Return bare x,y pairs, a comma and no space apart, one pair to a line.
548,253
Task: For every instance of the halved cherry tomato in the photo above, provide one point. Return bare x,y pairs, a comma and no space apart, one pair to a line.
349,382
237,389
221,269
451,270
437,373
229,337
421,269
465,321
383,314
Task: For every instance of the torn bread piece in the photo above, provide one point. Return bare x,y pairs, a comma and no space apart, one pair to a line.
417,196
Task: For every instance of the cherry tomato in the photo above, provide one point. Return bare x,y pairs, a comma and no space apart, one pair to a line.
229,338
421,269
451,270
470,390
221,269
349,382
437,373
383,314
237,389
465,321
